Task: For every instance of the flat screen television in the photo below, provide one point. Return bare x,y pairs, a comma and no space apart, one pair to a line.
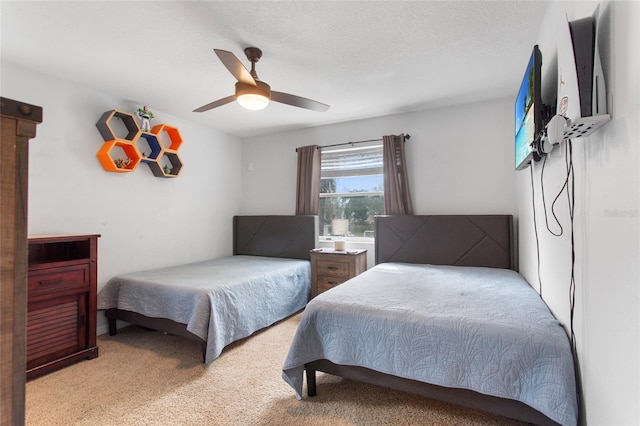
529,112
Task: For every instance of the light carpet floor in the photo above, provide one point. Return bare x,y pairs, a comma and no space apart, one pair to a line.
145,377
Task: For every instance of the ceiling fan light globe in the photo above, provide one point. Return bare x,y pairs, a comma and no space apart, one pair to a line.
252,101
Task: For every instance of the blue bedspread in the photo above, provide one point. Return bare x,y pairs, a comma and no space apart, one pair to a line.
220,300
482,329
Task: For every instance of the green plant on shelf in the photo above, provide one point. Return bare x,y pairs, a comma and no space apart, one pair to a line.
167,169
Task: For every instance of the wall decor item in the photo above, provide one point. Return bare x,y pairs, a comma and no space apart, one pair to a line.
167,163
126,145
145,118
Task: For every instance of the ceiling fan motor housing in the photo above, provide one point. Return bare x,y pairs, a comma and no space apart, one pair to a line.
261,88
253,54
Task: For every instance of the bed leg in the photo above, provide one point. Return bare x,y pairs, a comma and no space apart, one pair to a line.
311,382
204,352
113,329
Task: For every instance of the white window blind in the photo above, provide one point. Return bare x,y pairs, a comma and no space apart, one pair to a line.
361,161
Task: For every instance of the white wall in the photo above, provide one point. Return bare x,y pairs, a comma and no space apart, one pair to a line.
607,218
460,160
144,221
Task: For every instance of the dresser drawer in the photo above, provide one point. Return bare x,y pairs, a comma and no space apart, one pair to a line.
56,280
333,269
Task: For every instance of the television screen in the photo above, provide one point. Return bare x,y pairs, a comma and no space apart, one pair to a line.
528,112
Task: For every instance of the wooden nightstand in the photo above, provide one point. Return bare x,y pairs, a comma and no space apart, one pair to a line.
330,268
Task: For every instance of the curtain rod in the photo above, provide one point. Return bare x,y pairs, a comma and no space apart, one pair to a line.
406,138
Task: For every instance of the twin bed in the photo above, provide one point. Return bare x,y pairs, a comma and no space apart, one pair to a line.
442,314
222,300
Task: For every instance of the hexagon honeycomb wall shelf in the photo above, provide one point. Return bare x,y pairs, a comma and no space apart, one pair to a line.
162,160
174,135
106,127
120,165
155,147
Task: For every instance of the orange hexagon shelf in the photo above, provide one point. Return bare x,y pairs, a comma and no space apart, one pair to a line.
175,140
119,164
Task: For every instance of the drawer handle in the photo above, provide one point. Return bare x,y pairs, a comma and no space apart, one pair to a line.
50,282
332,268
332,282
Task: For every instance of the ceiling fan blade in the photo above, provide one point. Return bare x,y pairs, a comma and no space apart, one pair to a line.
235,67
298,101
215,104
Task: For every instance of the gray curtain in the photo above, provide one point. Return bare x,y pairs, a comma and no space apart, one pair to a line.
308,186
397,197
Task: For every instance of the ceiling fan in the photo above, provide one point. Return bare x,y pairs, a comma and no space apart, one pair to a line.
251,92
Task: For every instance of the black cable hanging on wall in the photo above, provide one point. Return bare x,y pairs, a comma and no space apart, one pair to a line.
571,202
535,229
569,187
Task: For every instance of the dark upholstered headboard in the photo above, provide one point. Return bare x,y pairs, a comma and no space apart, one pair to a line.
275,236
464,240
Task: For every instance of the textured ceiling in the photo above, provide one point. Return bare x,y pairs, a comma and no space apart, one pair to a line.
365,59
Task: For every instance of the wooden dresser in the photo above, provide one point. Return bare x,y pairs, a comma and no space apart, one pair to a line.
330,268
61,294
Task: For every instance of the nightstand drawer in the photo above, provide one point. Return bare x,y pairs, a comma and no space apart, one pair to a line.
324,287
333,269
56,280
325,283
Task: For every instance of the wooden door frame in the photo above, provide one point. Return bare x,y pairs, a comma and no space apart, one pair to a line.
19,122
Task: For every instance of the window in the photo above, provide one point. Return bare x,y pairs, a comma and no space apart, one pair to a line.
351,192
